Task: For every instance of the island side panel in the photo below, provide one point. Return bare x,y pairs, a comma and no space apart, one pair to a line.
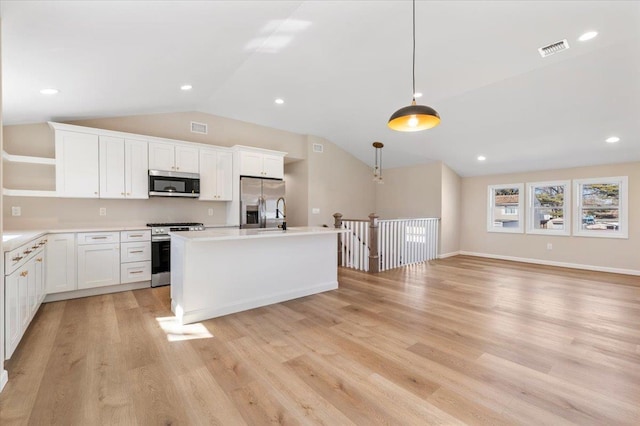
177,275
227,276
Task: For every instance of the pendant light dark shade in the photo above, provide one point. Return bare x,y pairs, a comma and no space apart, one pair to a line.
414,117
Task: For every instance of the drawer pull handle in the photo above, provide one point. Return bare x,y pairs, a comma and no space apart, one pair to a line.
17,258
39,259
98,238
34,247
136,236
136,272
137,251
24,273
27,251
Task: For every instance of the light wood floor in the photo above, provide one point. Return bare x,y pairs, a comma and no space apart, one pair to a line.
461,340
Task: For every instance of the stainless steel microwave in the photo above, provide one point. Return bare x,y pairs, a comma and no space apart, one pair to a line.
173,184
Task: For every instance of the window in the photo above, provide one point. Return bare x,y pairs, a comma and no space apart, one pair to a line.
601,207
505,213
549,208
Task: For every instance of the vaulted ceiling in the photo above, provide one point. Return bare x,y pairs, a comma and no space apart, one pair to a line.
342,68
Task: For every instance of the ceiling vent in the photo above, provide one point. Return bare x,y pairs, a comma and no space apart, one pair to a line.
318,147
552,48
198,128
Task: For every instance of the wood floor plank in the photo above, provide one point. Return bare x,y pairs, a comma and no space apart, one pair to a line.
462,340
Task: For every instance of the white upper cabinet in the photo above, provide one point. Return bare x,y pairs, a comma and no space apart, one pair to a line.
77,164
111,167
136,169
216,176
261,164
123,168
173,157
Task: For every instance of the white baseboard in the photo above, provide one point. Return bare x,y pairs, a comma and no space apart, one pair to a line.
445,255
554,263
4,378
75,294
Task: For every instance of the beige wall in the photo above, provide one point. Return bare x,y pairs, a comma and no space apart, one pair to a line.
451,211
410,192
296,176
338,183
221,131
614,253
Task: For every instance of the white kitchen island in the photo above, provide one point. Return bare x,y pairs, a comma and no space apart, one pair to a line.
221,271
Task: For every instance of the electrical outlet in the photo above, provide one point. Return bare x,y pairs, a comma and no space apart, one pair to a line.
16,211
549,246
103,211
315,210
210,212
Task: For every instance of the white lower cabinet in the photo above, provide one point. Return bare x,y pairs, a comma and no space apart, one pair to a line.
98,265
135,256
22,295
61,263
135,271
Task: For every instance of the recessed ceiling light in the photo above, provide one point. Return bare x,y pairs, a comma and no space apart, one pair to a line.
417,95
279,101
588,35
481,158
613,139
186,87
49,91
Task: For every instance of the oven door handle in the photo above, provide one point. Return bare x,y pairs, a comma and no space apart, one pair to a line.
160,238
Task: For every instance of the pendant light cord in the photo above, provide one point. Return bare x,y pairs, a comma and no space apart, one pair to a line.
413,94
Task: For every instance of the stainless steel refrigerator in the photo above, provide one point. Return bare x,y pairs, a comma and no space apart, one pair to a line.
262,203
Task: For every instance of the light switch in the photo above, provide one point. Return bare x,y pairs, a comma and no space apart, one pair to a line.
16,211
210,212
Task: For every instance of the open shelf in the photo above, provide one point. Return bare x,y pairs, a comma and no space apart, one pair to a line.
26,159
28,193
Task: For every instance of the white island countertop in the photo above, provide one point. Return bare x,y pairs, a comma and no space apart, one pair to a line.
221,234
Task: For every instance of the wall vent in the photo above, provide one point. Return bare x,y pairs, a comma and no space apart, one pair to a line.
198,128
318,147
552,48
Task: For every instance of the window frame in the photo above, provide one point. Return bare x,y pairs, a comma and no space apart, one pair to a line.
491,190
623,212
531,229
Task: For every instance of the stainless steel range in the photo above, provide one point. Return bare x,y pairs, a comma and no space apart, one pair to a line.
161,249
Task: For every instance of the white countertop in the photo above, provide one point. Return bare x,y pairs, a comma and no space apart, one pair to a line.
14,239
221,234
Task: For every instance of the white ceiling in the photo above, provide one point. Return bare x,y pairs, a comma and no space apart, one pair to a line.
343,67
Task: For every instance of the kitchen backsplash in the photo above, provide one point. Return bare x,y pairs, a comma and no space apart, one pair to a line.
66,213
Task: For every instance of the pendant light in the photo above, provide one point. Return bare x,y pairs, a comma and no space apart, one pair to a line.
377,170
414,117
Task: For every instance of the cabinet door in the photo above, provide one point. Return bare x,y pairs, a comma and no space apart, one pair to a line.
187,159
77,165
24,277
98,265
224,176
61,263
32,291
208,175
162,156
39,269
273,166
136,174
251,164
13,327
111,167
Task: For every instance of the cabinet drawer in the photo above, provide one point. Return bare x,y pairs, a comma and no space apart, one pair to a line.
135,252
17,257
143,235
135,271
98,238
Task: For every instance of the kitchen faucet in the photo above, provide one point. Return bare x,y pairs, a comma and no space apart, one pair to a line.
283,213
